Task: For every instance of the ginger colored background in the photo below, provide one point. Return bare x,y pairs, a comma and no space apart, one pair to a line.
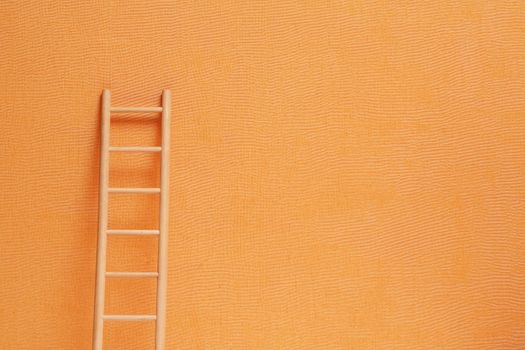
345,174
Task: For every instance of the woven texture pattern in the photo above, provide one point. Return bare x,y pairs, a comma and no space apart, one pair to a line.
345,174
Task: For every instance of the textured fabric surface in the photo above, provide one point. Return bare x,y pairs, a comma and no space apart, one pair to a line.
345,174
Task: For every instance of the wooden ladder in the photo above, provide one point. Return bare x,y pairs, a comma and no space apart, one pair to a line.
103,231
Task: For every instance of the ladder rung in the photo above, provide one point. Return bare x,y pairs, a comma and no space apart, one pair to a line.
134,232
130,317
133,190
135,149
136,109
132,274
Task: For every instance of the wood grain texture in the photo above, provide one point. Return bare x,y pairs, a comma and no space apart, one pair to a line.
344,174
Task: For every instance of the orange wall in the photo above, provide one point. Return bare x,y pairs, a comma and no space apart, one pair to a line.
345,174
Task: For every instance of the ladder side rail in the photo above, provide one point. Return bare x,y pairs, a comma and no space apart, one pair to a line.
162,265
98,322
